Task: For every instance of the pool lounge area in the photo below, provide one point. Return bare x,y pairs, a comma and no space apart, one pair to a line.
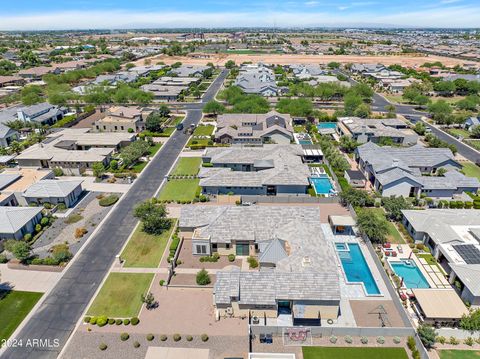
410,274
303,139
355,267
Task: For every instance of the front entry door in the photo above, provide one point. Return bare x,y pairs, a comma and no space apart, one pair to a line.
242,249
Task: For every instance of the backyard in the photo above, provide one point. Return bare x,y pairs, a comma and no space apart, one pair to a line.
14,307
120,295
145,250
180,190
394,235
459,354
187,166
353,353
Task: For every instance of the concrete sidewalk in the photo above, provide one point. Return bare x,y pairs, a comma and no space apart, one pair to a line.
28,280
89,184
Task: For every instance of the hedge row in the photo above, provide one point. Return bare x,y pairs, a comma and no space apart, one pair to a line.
104,320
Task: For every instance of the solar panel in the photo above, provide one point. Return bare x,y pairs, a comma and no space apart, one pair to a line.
469,253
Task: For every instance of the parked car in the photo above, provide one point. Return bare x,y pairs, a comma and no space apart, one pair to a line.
180,126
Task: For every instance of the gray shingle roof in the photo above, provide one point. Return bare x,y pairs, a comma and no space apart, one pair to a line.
49,188
266,288
469,274
273,251
6,179
13,219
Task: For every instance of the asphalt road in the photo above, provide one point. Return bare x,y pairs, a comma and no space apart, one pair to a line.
58,314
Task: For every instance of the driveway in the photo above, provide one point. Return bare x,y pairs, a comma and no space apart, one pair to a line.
59,312
28,280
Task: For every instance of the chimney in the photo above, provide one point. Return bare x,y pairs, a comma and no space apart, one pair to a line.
395,162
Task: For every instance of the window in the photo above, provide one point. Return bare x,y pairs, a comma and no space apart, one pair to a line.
201,249
227,246
214,247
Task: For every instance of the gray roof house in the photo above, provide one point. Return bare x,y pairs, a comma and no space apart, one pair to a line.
471,122
257,80
266,170
254,128
453,235
189,71
54,192
42,113
295,257
411,171
7,135
306,71
16,222
364,130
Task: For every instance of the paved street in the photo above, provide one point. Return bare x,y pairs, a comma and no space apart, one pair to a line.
58,314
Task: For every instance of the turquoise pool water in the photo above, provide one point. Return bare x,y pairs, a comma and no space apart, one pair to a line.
412,277
327,125
322,185
305,142
356,268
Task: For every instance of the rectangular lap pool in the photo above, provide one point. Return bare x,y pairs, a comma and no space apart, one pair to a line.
322,125
322,185
355,267
411,275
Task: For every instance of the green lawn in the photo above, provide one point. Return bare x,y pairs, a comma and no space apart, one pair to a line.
144,250
459,354
120,295
299,128
179,190
458,132
394,235
353,353
154,149
139,166
187,166
204,130
473,143
198,141
14,307
471,170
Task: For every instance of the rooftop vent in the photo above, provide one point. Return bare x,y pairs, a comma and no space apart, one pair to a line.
306,261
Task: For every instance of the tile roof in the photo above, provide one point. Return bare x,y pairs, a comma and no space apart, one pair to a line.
52,188
13,219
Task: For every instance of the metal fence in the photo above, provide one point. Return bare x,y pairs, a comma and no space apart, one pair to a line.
339,331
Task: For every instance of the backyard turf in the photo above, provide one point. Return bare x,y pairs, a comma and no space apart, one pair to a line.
187,166
459,354
120,295
145,250
14,307
471,170
353,353
179,190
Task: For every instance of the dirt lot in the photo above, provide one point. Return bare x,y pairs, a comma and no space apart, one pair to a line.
220,59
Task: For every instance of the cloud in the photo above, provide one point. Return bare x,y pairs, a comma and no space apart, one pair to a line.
312,3
449,1
453,16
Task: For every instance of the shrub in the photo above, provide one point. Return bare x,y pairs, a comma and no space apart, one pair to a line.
189,338
118,322
333,339
136,344
126,321
453,341
162,282
469,341
27,237
204,337
381,340
134,321
102,321
231,257
108,201
213,258
411,343
150,337
124,337
102,346
58,172
93,320
441,339
348,339
396,340
177,337
364,340
86,320
427,335
203,278
111,321
80,232
44,221
252,261
163,337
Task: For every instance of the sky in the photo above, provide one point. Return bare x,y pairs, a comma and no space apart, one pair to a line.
109,14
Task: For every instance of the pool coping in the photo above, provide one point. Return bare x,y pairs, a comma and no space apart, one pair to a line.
362,284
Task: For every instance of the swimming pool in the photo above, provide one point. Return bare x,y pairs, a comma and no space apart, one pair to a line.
327,125
322,184
412,277
304,142
356,268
